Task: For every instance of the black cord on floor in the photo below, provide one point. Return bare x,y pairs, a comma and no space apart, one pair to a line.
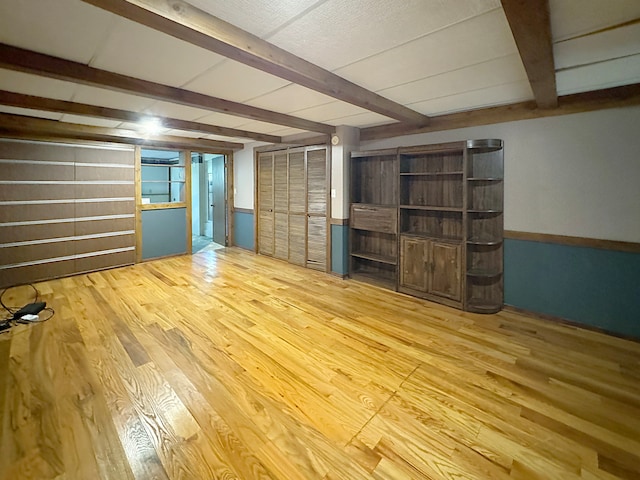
10,321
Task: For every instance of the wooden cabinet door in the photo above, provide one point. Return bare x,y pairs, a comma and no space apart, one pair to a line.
414,254
317,209
445,261
281,205
297,209
265,204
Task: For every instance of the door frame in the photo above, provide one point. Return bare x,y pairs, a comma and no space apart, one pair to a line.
228,195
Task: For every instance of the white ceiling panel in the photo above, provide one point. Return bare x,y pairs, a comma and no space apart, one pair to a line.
224,120
291,98
134,126
570,18
340,32
28,112
616,43
621,71
486,74
95,122
283,132
225,139
259,17
69,29
479,39
174,110
485,97
111,99
138,51
28,84
335,109
360,120
182,133
235,81
260,127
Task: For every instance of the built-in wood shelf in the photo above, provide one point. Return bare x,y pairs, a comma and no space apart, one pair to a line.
432,208
376,257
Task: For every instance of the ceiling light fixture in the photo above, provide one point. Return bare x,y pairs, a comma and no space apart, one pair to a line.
150,127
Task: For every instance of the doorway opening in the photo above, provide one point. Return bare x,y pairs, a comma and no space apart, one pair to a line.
209,224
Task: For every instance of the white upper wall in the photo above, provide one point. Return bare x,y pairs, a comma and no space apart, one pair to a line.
243,177
575,175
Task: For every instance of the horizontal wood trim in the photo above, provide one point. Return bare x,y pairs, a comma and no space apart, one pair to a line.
67,239
65,201
34,273
66,257
616,245
66,220
197,27
103,226
21,60
243,210
339,221
19,126
105,261
62,106
615,97
162,206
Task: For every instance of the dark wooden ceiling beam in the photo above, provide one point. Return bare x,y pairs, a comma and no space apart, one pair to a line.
531,27
185,22
18,59
616,97
18,126
62,106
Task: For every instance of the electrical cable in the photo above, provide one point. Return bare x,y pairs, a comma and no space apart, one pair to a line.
13,310
8,322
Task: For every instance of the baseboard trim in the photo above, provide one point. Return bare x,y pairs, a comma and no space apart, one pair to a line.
571,323
619,246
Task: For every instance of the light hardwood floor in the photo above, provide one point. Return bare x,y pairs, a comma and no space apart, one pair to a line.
231,365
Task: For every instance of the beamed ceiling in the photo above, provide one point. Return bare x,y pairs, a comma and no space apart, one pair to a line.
222,73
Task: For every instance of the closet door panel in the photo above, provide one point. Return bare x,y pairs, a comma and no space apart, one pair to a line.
297,237
281,236
281,205
317,242
297,209
265,204
317,181
297,194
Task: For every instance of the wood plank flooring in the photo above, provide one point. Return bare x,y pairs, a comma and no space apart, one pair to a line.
229,365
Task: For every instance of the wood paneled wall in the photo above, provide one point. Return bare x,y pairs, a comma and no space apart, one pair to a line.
64,209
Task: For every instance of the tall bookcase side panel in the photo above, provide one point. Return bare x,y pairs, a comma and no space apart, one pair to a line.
484,289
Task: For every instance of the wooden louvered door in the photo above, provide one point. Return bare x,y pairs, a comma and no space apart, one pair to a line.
281,205
265,204
317,209
297,209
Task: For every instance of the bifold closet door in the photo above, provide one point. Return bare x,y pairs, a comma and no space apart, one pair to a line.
297,209
317,209
265,204
281,206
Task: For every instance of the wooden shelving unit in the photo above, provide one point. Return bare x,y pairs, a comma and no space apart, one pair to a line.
485,226
374,217
428,221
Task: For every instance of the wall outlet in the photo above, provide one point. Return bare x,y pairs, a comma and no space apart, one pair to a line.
333,193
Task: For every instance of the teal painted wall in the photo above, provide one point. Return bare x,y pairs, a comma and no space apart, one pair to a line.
596,287
164,232
340,249
243,230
